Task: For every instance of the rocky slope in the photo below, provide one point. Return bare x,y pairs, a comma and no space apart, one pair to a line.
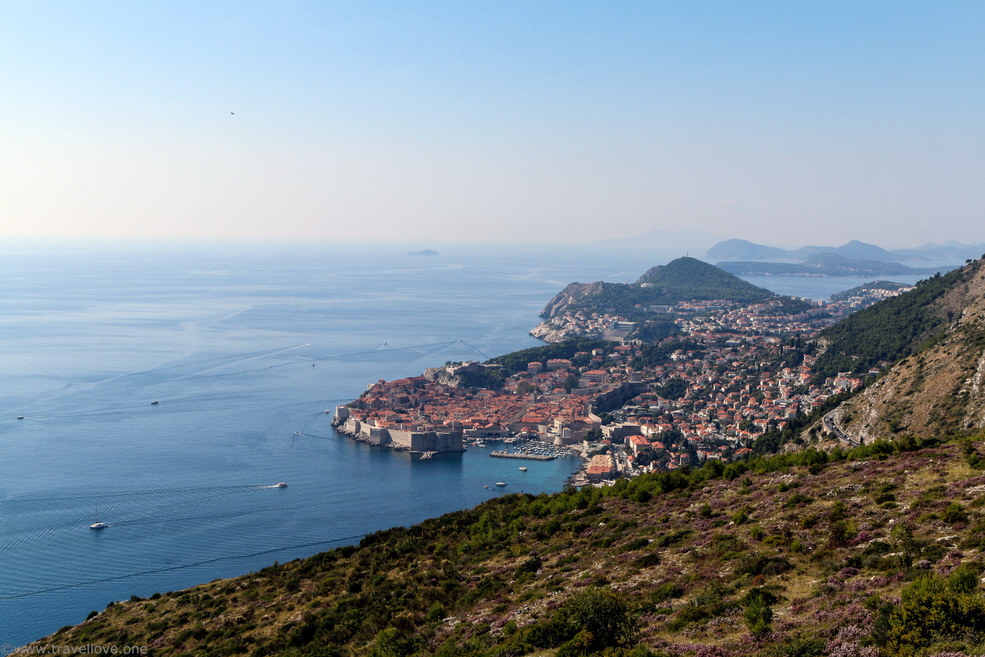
939,390
573,295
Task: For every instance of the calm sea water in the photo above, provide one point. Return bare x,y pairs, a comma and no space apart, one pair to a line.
244,349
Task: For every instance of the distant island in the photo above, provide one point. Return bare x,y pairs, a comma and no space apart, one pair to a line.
854,258
425,252
738,249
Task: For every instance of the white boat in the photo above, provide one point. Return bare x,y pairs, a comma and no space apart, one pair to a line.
523,468
155,403
501,484
98,525
282,484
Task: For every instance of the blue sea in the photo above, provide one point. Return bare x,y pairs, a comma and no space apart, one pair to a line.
245,348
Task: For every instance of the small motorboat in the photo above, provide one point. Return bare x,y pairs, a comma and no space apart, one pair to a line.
155,403
501,484
20,417
523,468
282,484
98,525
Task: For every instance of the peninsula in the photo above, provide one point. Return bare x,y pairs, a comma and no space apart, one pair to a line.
728,366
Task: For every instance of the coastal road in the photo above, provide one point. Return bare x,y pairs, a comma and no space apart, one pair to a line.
829,424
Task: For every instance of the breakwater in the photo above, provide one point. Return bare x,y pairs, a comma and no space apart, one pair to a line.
528,457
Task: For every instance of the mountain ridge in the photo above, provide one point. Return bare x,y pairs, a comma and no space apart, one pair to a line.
740,249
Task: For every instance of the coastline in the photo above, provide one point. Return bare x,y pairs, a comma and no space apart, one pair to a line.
578,478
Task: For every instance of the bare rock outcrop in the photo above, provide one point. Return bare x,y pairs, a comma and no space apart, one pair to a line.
572,294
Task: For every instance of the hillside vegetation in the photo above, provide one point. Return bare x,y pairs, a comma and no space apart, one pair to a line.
683,279
895,328
875,551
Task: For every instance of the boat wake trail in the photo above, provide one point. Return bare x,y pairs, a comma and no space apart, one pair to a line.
343,540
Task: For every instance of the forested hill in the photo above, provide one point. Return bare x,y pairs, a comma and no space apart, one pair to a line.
890,330
683,279
690,278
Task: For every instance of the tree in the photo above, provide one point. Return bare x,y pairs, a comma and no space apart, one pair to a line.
758,616
904,545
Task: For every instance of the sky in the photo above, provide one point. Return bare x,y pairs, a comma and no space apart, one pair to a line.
784,123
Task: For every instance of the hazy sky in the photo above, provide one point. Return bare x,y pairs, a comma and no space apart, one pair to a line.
780,122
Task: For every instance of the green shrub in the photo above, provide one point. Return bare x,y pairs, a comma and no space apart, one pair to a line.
808,521
954,513
666,591
776,540
647,561
529,565
934,610
797,499
933,553
672,537
602,614
687,615
742,515
760,564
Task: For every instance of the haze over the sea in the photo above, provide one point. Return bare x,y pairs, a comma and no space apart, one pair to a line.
782,123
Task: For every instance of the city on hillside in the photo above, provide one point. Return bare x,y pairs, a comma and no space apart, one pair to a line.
728,375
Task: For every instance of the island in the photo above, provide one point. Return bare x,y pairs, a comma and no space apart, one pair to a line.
851,259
